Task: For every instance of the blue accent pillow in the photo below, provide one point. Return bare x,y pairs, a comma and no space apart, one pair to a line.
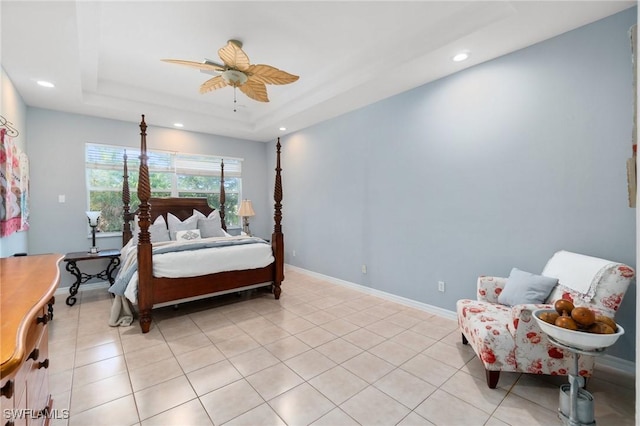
210,228
158,230
525,287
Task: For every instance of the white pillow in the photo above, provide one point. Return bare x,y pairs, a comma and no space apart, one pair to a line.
136,227
189,235
213,215
176,224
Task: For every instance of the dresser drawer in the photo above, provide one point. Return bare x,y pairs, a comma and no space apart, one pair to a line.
25,307
21,406
30,382
14,399
38,380
8,401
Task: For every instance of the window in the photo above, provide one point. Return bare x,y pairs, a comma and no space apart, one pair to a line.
171,174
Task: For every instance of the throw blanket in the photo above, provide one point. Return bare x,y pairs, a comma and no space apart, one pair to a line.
121,314
577,271
130,264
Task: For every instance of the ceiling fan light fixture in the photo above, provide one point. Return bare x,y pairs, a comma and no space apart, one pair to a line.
237,71
234,78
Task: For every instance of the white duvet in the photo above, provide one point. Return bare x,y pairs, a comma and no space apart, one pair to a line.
192,263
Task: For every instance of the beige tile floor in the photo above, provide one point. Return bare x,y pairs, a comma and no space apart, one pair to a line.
323,355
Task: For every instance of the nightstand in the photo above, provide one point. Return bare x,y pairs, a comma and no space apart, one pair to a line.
72,260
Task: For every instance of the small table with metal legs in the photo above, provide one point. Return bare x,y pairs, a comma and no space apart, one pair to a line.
73,258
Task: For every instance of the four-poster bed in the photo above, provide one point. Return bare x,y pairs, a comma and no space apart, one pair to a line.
155,290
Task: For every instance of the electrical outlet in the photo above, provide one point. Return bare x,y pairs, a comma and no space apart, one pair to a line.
364,268
441,286
293,253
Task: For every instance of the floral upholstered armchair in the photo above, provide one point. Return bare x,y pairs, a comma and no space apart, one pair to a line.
506,337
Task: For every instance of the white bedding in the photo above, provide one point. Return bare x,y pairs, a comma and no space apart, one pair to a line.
194,263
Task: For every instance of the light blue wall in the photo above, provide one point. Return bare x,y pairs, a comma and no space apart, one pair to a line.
56,150
495,167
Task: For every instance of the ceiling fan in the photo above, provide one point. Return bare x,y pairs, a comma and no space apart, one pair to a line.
238,72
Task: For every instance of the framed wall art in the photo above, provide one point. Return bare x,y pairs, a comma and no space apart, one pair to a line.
14,183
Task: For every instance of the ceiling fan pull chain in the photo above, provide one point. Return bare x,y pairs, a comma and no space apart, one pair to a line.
234,99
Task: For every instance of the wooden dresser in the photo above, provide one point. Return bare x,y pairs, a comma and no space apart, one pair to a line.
27,285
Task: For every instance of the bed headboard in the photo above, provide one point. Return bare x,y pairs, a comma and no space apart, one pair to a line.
182,208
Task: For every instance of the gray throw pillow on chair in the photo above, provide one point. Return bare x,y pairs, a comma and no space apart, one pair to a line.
525,287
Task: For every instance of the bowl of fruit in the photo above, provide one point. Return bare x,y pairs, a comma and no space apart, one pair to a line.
578,327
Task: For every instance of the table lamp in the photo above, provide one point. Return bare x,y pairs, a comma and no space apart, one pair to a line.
246,211
94,218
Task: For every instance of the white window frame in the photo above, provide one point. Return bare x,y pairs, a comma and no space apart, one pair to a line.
170,162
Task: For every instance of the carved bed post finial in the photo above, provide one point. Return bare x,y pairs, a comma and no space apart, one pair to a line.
277,239
145,284
223,197
126,200
144,186
277,192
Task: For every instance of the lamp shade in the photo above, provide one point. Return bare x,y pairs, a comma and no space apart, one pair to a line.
246,209
93,217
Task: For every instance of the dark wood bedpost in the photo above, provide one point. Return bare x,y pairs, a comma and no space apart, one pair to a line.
223,197
126,200
277,239
145,283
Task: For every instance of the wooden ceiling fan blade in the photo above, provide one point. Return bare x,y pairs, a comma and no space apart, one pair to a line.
214,63
237,71
233,56
198,65
270,75
212,84
255,90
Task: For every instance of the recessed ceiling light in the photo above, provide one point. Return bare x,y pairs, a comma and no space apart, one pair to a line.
178,125
461,56
283,128
45,84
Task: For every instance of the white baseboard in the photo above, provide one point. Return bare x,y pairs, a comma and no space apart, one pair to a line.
61,291
606,361
615,363
388,296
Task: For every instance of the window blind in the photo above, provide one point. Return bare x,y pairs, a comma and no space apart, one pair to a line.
200,165
110,157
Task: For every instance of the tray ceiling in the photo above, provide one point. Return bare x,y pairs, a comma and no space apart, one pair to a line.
104,57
